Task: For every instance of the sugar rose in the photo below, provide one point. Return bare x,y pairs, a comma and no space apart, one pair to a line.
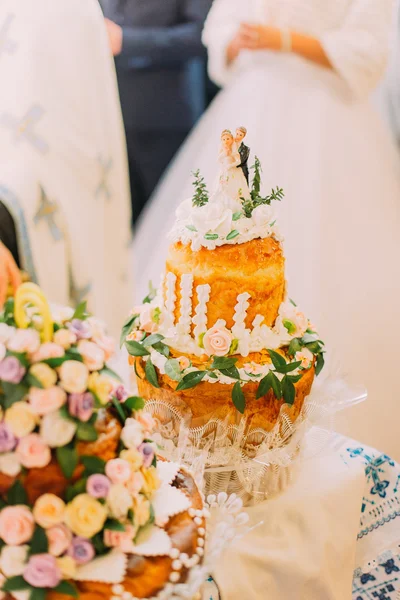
42,571
134,458
67,566
101,386
217,341
48,350
92,354
306,357
120,539
48,510
146,421
12,560
59,538
57,431
151,480
132,433
85,516
64,338
46,401
33,451
16,525
141,510
24,340
74,376
45,374
119,501
118,470
10,464
6,333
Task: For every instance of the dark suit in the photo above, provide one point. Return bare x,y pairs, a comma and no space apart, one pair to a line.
244,152
161,77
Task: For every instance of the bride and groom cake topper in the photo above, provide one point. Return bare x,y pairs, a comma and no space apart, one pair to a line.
233,159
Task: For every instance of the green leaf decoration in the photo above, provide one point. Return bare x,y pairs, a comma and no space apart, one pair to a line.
292,302
151,295
232,234
93,465
222,362
73,354
319,365
191,380
173,370
290,326
277,359
200,196
212,374
13,584
114,525
201,338
17,494
56,362
86,432
238,398
38,593
211,236
80,311
264,386
236,216
110,373
289,367
7,316
13,393
74,490
276,386
39,543
127,328
67,458
232,372
120,410
136,349
151,374
32,381
134,403
99,544
295,378
191,228
22,357
314,347
234,346
288,390
295,346
152,339
162,349
66,588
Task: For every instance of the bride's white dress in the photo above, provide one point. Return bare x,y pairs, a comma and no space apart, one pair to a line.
232,184
319,139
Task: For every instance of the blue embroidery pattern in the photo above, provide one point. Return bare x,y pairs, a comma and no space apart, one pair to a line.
103,187
23,128
47,211
7,45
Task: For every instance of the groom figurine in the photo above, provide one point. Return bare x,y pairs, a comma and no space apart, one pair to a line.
244,151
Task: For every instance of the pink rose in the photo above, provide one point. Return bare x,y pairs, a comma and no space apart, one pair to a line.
59,538
119,539
48,350
64,338
146,321
107,344
33,452
217,341
118,470
136,336
136,483
42,571
146,421
16,525
92,354
43,402
184,362
24,340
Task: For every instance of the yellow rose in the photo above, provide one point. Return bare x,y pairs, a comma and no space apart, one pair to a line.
151,480
134,458
141,510
119,501
101,386
48,510
45,374
20,419
85,516
67,566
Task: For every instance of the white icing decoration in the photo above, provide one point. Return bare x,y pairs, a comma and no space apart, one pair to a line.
167,502
110,568
239,330
185,320
170,298
200,318
167,471
155,543
22,595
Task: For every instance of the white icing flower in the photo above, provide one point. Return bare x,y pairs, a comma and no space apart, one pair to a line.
13,559
292,320
217,341
306,357
184,210
262,216
212,217
57,431
132,433
119,501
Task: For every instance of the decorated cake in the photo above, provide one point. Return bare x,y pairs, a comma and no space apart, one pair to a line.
220,336
86,508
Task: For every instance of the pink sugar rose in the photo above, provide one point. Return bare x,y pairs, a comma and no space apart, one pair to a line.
136,483
42,571
98,486
118,470
2,351
59,538
24,340
48,350
43,402
16,525
146,321
217,341
107,344
33,452
92,354
119,539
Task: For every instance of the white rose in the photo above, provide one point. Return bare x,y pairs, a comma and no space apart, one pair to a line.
74,376
24,340
13,560
132,433
2,351
57,431
262,215
92,354
9,464
184,210
61,314
210,216
6,332
119,501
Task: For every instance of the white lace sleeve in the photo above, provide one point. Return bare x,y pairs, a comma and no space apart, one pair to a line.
221,25
359,49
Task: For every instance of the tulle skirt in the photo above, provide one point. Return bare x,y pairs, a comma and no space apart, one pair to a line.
340,216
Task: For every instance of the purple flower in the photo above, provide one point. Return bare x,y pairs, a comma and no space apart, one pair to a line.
147,452
42,571
81,550
81,406
11,370
98,486
81,329
7,438
120,393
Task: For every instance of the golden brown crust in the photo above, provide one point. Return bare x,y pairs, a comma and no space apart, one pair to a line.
261,274
208,400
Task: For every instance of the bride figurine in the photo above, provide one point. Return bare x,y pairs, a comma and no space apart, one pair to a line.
232,183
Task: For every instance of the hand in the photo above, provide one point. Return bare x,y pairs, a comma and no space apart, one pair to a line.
115,36
9,273
260,37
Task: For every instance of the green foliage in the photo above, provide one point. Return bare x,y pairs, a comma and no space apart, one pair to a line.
93,465
238,398
81,312
67,458
86,432
17,494
200,197
173,370
127,328
66,588
39,543
256,199
114,525
7,315
136,348
151,295
191,380
151,374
